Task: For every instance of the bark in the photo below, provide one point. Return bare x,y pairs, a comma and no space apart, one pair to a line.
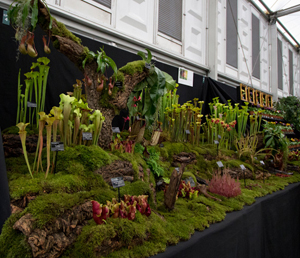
172,190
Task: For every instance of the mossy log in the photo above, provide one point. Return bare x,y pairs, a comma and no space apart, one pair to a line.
70,45
51,241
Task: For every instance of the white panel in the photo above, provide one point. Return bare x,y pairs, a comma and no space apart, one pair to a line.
195,30
135,18
221,35
285,66
264,55
168,44
87,11
244,43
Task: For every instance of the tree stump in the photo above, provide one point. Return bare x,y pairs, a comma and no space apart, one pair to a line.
172,190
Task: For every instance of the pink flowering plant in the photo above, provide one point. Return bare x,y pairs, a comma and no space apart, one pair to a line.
224,185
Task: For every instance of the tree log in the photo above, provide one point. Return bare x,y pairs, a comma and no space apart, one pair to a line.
172,190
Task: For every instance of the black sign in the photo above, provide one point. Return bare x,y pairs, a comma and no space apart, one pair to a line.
31,104
5,19
119,84
116,130
57,146
87,136
148,66
262,163
220,164
191,180
161,145
117,182
243,167
187,132
216,142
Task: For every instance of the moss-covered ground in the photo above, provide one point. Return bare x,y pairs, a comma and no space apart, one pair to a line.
75,182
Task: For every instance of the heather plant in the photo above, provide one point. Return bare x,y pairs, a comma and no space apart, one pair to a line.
224,185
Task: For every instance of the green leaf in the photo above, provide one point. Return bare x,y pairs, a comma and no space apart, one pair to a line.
25,12
270,142
142,55
99,61
112,64
149,57
170,83
35,13
140,86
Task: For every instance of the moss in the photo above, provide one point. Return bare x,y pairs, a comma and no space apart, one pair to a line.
235,163
62,31
91,239
46,208
189,174
90,158
137,188
133,67
13,243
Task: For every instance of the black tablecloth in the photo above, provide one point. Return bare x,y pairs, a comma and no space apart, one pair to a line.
269,228
4,191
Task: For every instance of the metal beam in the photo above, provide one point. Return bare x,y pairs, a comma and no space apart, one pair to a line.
286,11
273,20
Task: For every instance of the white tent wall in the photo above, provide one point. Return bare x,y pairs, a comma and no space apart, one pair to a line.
132,25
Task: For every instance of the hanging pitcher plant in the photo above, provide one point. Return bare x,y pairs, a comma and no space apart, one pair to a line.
23,15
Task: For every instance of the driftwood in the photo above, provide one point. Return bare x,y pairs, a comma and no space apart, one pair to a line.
172,190
184,157
203,189
118,168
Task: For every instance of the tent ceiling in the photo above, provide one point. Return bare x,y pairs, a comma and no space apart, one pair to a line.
290,21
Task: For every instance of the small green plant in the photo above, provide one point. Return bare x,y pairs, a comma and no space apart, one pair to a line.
153,164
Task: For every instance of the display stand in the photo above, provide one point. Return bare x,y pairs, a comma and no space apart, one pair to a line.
5,210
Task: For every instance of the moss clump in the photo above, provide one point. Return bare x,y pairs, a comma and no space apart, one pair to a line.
85,159
62,31
13,243
235,163
133,67
187,175
137,188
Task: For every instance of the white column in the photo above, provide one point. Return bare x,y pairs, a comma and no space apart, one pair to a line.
212,35
273,61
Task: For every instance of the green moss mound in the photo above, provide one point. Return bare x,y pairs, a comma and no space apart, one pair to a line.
75,183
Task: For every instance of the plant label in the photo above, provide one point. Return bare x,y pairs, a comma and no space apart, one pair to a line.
187,132
219,136
220,164
160,182
262,163
117,182
148,66
119,84
191,180
57,146
243,167
5,19
177,169
255,158
216,142
31,104
116,130
87,136
161,145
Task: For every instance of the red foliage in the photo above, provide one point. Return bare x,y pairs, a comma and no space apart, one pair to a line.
224,185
